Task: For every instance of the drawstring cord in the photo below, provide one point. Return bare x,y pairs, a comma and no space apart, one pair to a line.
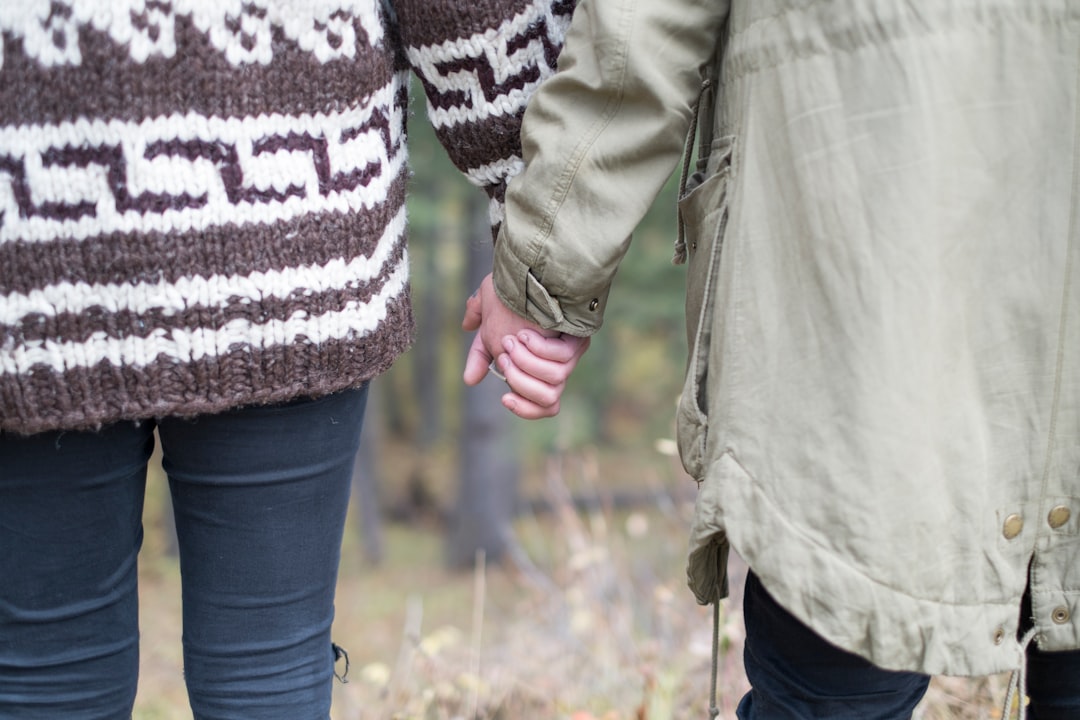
1018,682
714,711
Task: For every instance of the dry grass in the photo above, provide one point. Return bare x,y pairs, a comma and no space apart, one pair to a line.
601,627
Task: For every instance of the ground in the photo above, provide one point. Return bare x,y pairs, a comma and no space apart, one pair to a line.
595,623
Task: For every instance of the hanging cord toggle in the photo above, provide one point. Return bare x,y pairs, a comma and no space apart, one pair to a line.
1018,682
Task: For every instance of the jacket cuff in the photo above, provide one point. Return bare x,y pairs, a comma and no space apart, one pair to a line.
521,291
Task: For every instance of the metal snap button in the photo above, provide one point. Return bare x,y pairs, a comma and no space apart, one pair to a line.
1058,516
594,304
1060,615
1013,525
999,636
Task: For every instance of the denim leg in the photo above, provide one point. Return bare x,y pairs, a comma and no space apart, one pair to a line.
260,496
795,674
70,531
1053,684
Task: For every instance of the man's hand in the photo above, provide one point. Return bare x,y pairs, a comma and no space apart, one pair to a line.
535,362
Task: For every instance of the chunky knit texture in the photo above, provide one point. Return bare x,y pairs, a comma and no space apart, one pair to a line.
202,201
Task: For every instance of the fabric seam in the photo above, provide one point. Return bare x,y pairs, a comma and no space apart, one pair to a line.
566,180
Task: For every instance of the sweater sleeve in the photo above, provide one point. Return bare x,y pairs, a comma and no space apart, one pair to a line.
479,61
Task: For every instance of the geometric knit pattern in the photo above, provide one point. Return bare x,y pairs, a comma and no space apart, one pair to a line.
202,201
472,85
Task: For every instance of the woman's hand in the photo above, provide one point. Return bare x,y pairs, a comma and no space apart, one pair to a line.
535,363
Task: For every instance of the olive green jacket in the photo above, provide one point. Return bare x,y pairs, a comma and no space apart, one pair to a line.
882,401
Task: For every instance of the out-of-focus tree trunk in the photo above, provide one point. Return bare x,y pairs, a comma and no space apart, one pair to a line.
429,299
488,467
429,302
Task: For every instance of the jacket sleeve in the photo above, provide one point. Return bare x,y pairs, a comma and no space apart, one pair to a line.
479,61
600,139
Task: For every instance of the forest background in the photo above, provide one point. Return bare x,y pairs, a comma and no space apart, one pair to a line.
507,570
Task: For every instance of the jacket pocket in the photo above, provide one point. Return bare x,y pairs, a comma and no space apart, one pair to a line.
704,212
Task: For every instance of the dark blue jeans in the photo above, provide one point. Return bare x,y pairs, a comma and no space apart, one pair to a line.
796,674
259,496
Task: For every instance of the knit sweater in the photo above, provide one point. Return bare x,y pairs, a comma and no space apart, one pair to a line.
202,201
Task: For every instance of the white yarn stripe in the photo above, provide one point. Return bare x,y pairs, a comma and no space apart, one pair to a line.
240,29
212,291
496,211
496,172
505,105
491,45
195,344
175,175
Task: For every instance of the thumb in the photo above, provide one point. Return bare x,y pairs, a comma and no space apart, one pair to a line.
476,362
473,313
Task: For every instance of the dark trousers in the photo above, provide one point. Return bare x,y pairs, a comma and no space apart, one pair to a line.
259,496
796,674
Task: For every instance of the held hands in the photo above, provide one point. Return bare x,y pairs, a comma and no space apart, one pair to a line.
535,362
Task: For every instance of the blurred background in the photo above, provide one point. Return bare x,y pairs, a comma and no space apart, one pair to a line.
494,568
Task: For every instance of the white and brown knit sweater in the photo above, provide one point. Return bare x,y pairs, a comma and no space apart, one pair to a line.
202,201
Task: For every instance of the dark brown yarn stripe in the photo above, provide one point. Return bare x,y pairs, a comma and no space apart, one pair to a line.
80,327
88,398
474,143
225,250
423,22
109,84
